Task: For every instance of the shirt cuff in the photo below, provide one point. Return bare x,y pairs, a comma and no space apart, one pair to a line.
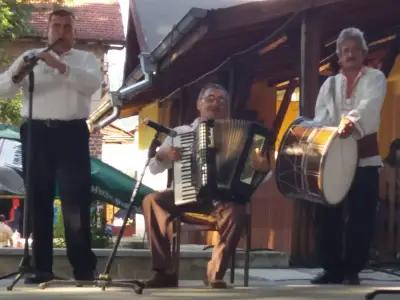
359,133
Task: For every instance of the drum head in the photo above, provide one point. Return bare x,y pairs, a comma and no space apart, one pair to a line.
339,167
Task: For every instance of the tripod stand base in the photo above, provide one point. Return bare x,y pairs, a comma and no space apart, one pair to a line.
136,285
372,295
16,279
23,269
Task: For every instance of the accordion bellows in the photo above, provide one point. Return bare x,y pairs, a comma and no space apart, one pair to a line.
216,161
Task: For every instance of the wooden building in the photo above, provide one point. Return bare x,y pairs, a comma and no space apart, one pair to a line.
255,49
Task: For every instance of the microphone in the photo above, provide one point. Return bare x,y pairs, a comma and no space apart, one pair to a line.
30,61
31,58
160,128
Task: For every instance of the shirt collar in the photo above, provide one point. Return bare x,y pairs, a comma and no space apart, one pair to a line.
362,72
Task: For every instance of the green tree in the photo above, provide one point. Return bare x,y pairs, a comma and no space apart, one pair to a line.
10,110
13,23
13,17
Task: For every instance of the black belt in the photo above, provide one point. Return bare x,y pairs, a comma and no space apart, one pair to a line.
52,123
368,146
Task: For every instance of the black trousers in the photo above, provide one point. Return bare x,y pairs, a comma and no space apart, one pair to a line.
60,152
344,232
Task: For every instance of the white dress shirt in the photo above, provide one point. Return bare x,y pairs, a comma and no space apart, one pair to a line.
157,166
57,96
363,107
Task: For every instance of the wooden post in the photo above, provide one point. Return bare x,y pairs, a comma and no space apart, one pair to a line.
310,58
303,245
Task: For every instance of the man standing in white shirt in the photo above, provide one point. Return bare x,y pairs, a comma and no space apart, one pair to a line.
351,100
65,80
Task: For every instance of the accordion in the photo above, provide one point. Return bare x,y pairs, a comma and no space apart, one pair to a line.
216,161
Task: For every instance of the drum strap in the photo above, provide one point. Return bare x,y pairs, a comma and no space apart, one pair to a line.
368,146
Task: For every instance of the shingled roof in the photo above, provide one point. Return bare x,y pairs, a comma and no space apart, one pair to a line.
96,20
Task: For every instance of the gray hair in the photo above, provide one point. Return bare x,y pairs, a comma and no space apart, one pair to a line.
212,85
351,33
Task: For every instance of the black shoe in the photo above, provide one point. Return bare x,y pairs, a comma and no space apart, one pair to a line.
85,276
351,279
326,278
39,277
162,280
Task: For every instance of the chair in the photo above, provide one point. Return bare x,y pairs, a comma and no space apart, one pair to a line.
204,222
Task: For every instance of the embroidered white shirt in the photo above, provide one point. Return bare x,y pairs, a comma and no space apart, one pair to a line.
363,107
57,96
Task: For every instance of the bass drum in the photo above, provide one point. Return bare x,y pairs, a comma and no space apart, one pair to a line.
315,164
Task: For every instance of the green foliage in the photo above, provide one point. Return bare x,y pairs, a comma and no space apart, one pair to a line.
98,226
9,108
13,18
99,238
58,229
10,111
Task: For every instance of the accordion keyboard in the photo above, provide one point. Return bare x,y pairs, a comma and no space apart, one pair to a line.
185,191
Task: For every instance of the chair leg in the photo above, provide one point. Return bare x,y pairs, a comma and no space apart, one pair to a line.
233,264
176,244
247,252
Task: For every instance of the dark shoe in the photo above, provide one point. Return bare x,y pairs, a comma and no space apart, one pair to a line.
326,278
84,276
162,280
351,279
215,284
39,277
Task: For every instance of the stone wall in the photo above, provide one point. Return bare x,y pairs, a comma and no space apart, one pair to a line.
96,144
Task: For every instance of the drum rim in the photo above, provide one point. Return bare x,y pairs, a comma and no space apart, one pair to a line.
323,197
284,137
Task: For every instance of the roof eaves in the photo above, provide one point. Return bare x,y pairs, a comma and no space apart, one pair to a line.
187,24
184,26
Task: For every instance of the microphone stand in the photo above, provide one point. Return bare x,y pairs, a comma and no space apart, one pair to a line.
105,279
25,266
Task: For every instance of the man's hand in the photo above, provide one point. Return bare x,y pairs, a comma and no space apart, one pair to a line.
345,128
169,154
259,161
23,70
53,61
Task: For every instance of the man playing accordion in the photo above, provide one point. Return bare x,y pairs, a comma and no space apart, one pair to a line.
159,208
